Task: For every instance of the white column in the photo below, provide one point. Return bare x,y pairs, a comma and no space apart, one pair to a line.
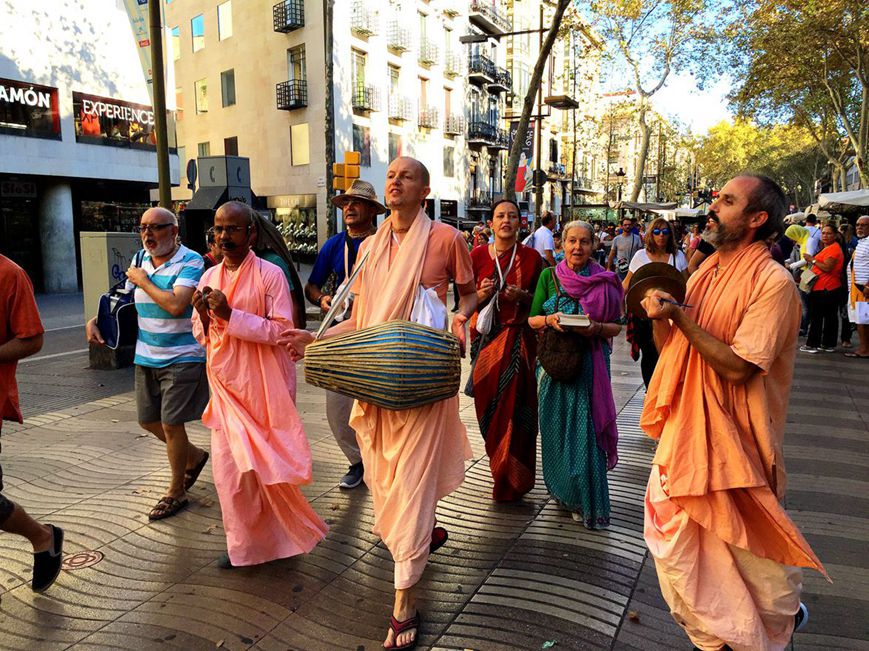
57,238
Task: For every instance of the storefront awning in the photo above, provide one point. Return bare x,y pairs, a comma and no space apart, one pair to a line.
207,199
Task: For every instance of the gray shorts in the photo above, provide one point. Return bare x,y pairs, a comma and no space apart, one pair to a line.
173,395
5,505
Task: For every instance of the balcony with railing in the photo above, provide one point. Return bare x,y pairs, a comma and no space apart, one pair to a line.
288,15
429,54
428,118
481,133
292,94
503,81
501,140
481,70
365,98
454,124
451,8
397,37
400,108
452,64
488,16
363,20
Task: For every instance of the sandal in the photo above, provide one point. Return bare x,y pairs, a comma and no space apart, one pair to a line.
439,536
855,356
190,476
398,628
167,507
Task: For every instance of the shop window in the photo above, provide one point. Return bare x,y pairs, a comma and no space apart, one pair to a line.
449,162
300,153
200,95
224,20
296,218
197,30
176,43
395,146
227,87
362,143
230,146
203,149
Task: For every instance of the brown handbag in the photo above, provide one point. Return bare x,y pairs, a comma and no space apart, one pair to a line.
560,353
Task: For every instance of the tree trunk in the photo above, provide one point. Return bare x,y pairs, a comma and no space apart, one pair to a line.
644,151
528,104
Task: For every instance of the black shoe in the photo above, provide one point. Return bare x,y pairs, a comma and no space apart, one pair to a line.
224,563
46,565
354,476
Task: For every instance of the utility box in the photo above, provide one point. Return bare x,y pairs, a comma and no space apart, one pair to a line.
105,258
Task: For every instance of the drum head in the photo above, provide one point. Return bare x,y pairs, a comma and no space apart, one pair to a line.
639,290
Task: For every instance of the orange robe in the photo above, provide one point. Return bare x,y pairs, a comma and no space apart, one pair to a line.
413,457
259,451
713,516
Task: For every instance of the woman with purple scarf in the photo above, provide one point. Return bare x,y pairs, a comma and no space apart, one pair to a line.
578,435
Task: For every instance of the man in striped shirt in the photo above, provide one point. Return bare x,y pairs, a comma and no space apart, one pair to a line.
171,385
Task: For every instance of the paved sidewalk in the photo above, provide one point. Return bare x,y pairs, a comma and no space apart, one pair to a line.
519,576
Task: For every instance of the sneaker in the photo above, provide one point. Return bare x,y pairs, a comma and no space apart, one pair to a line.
810,349
46,565
828,350
353,477
801,618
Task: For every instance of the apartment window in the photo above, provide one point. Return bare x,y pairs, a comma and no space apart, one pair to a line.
493,111
423,23
362,143
475,106
553,151
182,159
448,101
296,67
423,91
197,29
227,87
395,146
203,149
230,146
448,39
179,104
176,43
224,20
449,162
394,77
300,150
200,95
358,69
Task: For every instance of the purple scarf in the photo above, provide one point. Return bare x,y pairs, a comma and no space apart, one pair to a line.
601,296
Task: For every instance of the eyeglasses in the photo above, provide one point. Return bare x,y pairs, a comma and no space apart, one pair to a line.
660,231
229,230
150,228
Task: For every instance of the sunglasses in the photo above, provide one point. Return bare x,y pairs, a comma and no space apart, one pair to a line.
150,228
660,231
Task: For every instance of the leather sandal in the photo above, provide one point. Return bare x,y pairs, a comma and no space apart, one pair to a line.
167,507
398,628
190,476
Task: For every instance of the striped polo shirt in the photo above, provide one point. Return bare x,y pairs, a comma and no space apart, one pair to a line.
165,339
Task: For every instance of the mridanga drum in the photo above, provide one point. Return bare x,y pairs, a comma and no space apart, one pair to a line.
395,365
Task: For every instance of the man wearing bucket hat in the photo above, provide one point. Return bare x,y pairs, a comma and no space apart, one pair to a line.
359,208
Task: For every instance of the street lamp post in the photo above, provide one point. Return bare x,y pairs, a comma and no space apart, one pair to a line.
621,174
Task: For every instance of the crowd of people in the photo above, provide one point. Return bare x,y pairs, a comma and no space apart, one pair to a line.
539,315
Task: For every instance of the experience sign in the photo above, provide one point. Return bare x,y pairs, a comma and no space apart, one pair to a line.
107,121
29,110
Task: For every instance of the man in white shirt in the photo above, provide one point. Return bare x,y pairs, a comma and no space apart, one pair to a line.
542,241
858,288
813,244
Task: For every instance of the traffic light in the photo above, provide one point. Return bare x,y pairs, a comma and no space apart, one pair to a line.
345,173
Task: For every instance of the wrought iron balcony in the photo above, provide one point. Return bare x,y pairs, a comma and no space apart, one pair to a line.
481,133
429,54
452,64
481,70
366,98
451,8
503,81
428,118
501,140
454,124
363,21
289,15
487,15
398,37
292,94
400,108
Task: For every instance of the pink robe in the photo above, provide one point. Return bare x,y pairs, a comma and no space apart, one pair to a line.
413,457
260,454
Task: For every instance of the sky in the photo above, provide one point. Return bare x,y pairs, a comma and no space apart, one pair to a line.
696,109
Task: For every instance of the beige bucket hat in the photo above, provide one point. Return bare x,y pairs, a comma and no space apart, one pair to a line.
359,190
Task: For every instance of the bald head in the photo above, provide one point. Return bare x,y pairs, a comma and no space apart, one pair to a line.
238,209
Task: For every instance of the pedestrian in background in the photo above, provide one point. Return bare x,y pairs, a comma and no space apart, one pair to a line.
624,247
578,434
824,296
214,255
21,336
504,386
858,288
171,385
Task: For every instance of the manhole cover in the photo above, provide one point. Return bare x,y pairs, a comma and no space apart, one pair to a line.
81,560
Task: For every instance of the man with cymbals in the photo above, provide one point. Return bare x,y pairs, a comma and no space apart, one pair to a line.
416,456
728,556
359,208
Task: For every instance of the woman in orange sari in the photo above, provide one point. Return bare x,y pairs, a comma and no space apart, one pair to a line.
504,385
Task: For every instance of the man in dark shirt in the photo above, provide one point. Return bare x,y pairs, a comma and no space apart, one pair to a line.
359,208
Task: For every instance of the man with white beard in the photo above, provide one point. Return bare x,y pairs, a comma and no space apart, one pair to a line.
171,385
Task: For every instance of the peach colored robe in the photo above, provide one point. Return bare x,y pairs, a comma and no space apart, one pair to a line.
712,505
413,457
260,454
